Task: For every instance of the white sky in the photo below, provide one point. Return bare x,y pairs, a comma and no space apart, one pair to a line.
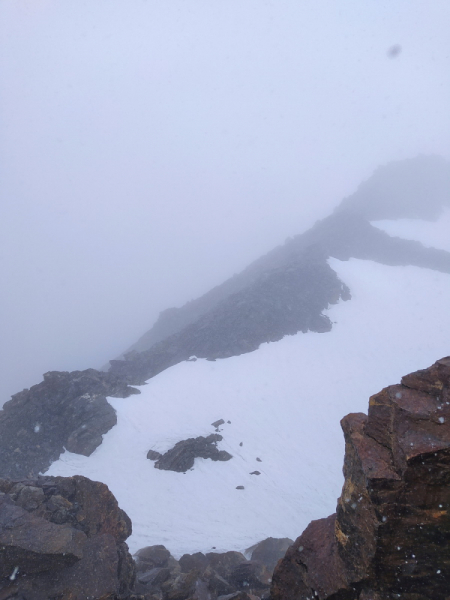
149,150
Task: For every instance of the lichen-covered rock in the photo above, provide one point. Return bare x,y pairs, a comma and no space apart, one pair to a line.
390,536
63,538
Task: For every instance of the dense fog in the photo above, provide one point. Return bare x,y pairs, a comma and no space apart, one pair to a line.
149,150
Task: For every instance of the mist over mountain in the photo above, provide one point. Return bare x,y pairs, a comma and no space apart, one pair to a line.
151,150
262,303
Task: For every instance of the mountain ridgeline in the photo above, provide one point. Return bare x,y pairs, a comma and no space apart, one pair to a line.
282,293
286,290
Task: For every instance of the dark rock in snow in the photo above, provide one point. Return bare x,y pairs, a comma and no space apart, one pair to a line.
390,536
153,455
63,538
255,473
218,423
181,457
66,410
240,487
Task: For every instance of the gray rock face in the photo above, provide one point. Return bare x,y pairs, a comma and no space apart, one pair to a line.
181,457
66,410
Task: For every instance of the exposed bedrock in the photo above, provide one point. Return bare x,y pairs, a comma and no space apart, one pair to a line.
182,456
281,302
210,576
63,537
390,536
66,410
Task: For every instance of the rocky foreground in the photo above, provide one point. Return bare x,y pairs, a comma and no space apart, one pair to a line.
390,536
64,538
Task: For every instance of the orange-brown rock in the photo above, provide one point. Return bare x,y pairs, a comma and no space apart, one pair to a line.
390,536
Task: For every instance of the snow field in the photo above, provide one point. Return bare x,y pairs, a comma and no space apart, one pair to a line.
430,233
284,401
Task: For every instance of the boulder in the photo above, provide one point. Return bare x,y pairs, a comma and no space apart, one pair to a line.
181,457
152,557
269,551
63,538
390,536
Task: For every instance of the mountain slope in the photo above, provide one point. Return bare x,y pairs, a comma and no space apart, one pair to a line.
284,402
410,188
295,341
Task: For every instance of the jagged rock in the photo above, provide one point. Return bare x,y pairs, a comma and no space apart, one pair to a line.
269,551
182,587
216,424
198,561
63,538
224,563
152,557
153,455
199,576
155,576
390,536
66,410
250,574
181,457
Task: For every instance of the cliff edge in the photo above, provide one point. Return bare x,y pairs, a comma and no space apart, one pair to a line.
390,536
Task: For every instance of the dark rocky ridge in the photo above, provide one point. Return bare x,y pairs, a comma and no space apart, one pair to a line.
281,302
220,323
63,538
66,410
390,536
414,188
287,298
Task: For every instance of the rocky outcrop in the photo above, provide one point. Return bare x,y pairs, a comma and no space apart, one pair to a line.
286,290
181,457
281,302
390,536
269,551
200,576
63,538
66,410
414,188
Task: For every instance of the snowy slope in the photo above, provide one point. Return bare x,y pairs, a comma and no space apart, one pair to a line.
284,402
434,234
